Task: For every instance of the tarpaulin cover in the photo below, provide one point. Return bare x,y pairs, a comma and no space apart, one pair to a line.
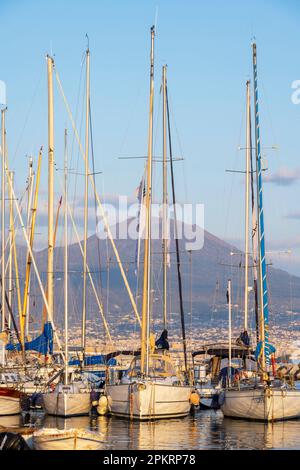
42,344
93,361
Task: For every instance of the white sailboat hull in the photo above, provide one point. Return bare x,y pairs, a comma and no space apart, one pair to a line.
71,439
10,401
149,400
67,404
9,406
261,404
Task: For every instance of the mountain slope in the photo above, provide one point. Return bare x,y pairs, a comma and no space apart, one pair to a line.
204,274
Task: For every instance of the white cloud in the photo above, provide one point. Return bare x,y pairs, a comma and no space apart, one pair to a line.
283,177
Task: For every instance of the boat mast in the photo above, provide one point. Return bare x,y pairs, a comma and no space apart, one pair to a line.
66,257
229,330
3,146
248,154
165,199
44,316
254,237
86,175
15,260
30,235
264,309
182,319
50,64
11,221
29,192
147,249
29,229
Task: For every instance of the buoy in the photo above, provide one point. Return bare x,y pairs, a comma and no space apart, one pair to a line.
194,399
102,407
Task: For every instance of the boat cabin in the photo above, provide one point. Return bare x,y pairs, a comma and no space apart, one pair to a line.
160,366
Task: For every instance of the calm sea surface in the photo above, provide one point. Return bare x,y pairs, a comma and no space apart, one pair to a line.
206,430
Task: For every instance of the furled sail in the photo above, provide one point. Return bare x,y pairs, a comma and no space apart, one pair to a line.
264,287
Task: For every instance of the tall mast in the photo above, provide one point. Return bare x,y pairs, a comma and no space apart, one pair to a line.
15,260
66,256
29,192
33,208
182,318
44,315
248,155
3,146
50,187
264,330
86,174
229,329
147,250
165,199
29,219
254,237
11,221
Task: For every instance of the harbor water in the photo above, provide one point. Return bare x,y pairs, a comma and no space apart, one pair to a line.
205,430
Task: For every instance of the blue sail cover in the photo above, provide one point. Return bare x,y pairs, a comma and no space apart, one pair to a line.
258,350
264,287
42,344
94,360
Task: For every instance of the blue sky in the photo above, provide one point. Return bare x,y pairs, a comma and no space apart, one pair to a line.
207,46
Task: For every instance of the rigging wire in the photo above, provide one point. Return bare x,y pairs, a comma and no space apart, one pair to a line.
28,114
183,331
95,200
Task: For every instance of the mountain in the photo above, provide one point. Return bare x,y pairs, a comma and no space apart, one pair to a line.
204,274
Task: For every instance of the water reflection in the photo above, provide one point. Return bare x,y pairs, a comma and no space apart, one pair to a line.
205,430
240,434
278,435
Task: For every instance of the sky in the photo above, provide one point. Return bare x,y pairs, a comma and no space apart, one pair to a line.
207,47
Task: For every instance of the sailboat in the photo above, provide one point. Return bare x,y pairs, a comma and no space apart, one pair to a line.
70,397
152,388
266,398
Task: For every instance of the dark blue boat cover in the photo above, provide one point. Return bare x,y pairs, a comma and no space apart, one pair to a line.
94,360
42,344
